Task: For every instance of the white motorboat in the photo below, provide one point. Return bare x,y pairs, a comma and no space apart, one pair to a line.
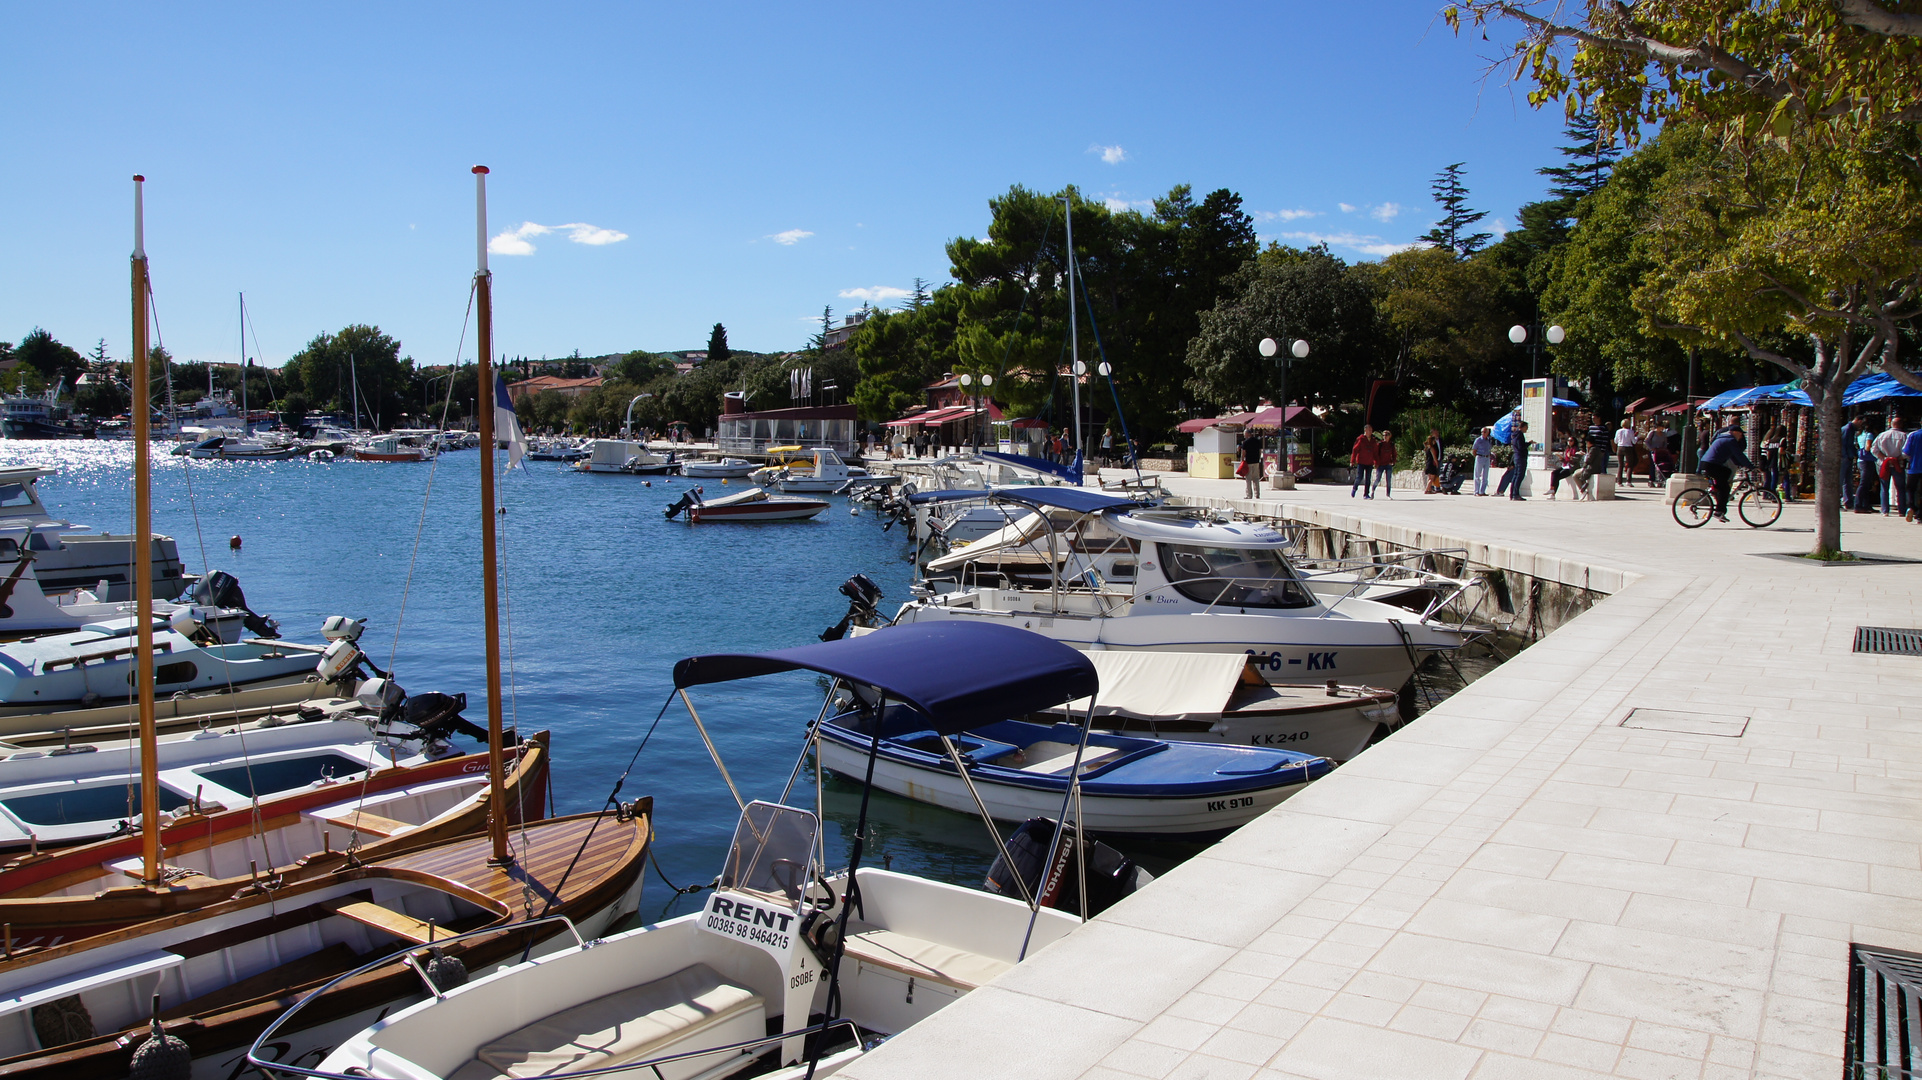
738,985
828,475
1100,572
1220,697
66,556
621,456
64,679
396,447
721,469
754,504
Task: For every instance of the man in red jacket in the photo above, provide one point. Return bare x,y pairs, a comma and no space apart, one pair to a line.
1361,464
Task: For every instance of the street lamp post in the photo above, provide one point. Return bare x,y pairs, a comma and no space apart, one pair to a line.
1269,348
1519,335
967,381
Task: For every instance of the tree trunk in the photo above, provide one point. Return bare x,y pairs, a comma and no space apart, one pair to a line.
1827,401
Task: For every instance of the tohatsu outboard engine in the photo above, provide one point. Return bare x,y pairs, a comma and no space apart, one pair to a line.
863,597
222,590
1110,874
690,498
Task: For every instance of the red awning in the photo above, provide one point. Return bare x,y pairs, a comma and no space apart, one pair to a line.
913,418
1299,416
943,416
1218,421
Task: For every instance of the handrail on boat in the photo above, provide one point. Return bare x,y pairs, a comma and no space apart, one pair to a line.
405,955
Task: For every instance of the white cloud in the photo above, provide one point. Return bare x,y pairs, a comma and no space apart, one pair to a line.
1367,245
790,237
1284,215
1347,208
1500,227
518,240
1113,155
1386,212
1116,204
878,295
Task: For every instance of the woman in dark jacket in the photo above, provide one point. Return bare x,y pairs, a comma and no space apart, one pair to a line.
1431,463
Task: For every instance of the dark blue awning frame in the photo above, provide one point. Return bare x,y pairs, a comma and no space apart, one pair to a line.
956,675
1077,500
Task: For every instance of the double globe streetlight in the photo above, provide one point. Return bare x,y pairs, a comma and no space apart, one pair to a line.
967,381
1519,335
1299,349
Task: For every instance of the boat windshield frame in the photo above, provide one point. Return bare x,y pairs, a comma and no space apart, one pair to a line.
1282,588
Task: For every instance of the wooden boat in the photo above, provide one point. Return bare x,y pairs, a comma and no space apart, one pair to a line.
754,504
210,854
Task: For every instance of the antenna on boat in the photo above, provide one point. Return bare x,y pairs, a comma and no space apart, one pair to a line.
484,407
143,561
1074,347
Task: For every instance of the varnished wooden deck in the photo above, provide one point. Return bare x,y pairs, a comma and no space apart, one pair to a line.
545,862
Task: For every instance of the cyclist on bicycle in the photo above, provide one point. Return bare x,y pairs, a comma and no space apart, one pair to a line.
1718,461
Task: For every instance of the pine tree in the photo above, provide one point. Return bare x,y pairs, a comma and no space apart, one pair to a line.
717,349
918,299
1450,233
1590,161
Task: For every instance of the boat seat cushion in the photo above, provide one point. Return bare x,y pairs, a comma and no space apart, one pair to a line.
628,1025
922,959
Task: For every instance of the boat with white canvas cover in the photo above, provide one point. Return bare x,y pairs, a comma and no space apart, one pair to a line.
1097,571
736,988
828,475
621,456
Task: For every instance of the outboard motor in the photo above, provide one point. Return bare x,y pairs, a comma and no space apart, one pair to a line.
1111,875
690,498
863,596
438,716
221,590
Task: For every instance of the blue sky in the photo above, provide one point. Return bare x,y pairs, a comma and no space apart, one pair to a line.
691,163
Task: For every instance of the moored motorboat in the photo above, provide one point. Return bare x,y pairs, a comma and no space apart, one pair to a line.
721,469
754,504
67,556
1098,571
395,448
829,475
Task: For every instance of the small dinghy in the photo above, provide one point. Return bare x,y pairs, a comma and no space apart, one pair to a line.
1128,785
754,504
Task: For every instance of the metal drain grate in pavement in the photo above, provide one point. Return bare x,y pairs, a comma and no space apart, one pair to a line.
1888,640
1684,723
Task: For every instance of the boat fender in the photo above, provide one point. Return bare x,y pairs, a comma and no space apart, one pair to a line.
444,971
162,1056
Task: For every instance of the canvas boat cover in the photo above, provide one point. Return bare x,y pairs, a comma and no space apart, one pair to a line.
1237,534
1164,686
954,675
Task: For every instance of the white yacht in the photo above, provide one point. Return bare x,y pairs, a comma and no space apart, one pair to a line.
65,556
829,475
1100,572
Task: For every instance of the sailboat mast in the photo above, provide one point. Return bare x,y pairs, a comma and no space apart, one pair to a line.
246,422
484,407
354,373
143,560
1074,340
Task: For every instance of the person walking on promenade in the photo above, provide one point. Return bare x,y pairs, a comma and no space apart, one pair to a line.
1361,464
1431,462
1912,453
1868,479
1625,443
1659,462
1518,461
1891,468
1718,463
1385,461
1849,431
1484,457
1774,474
1251,465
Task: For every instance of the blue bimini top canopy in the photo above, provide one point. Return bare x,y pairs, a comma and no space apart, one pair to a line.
921,498
954,675
1032,464
1077,500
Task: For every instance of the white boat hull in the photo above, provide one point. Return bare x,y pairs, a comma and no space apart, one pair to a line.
1138,815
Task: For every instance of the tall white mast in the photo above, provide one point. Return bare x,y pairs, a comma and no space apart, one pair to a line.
246,423
1074,339
354,373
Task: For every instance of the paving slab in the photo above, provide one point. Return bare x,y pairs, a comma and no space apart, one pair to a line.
1519,884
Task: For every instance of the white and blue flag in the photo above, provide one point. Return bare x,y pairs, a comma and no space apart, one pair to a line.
507,426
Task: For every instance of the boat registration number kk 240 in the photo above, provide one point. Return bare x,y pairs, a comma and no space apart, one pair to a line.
1216,805
1274,661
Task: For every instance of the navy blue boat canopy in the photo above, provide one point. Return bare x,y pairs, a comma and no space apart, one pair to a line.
955,675
1032,464
947,495
1079,500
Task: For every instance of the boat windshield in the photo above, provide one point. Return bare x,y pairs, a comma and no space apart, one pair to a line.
771,850
1234,577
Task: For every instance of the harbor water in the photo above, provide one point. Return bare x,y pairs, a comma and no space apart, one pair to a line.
601,596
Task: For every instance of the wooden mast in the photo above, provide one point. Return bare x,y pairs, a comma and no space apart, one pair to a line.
484,405
143,561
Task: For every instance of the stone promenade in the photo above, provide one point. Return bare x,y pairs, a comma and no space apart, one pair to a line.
1529,882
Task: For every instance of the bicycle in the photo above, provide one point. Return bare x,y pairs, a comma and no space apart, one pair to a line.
1758,506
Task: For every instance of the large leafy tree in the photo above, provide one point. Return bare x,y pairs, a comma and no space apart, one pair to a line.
1805,223
1286,294
1446,320
48,359
331,364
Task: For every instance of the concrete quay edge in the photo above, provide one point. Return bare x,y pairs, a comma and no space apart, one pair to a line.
1517,885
